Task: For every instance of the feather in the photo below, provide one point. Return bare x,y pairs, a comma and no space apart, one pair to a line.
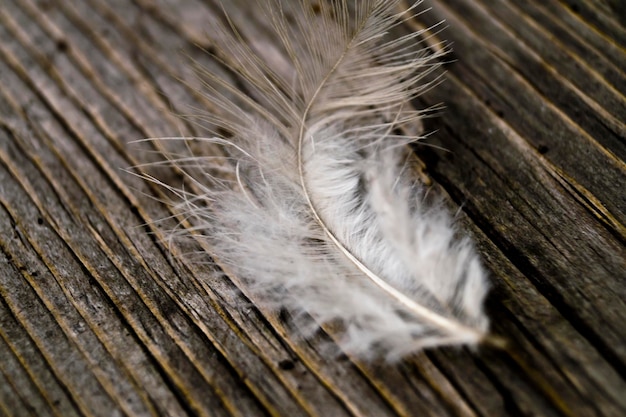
312,206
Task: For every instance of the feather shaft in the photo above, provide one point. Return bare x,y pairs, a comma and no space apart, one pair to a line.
416,308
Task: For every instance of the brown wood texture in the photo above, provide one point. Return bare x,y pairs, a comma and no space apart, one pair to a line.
100,317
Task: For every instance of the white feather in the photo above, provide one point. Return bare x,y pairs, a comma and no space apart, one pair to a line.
317,214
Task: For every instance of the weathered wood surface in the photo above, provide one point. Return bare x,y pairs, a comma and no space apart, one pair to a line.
98,319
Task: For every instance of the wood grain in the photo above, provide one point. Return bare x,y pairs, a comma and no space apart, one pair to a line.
100,316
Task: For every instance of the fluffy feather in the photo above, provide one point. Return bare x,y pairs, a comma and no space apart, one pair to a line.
313,209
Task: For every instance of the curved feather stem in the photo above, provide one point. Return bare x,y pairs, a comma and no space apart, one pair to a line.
425,313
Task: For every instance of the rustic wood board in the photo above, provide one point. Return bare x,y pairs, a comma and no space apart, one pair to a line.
100,317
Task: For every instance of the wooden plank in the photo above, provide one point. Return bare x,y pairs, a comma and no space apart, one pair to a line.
99,315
